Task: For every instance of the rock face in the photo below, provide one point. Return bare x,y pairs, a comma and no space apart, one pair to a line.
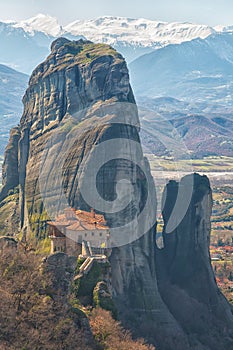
74,77
8,243
77,145
61,269
10,176
185,276
78,100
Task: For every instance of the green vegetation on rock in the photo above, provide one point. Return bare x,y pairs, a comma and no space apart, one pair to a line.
102,298
84,286
9,221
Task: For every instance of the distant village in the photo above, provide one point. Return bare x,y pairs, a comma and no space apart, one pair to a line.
222,262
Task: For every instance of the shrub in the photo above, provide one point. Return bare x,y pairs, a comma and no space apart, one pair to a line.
110,334
85,285
103,299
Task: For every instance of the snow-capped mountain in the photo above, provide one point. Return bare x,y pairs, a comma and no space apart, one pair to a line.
114,30
132,37
180,68
198,71
22,50
40,23
139,32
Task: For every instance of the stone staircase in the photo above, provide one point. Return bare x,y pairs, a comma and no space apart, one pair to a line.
86,266
92,255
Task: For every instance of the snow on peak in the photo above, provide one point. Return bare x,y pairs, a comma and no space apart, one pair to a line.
225,29
139,32
41,23
124,31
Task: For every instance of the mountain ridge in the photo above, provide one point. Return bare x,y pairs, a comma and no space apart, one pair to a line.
132,37
191,71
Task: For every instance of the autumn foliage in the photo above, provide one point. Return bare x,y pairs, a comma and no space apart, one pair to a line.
30,317
111,335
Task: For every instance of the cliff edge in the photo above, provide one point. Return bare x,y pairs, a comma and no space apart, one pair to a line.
78,146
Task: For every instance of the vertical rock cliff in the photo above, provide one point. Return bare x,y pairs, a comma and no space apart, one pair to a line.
80,120
78,145
185,276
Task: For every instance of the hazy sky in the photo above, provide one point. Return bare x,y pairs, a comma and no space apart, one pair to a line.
200,11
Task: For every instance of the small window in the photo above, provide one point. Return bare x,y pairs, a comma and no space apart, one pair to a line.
92,233
85,234
100,234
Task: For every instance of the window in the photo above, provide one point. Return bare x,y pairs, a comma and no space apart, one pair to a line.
92,233
100,234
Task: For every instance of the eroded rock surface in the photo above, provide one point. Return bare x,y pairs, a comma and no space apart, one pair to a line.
186,279
79,100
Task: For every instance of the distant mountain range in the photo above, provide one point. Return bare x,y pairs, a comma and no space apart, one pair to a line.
25,44
12,87
190,85
200,70
182,71
22,50
132,37
195,135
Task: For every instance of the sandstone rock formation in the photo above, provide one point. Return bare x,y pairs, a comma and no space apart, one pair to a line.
80,113
10,165
8,243
185,276
61,269
82,93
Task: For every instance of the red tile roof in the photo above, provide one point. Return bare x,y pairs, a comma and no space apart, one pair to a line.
60,223
89,217
81,221
85,226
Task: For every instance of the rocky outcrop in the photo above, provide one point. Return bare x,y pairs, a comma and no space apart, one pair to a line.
102,297
185,276
78,145
8,244
61,269
10,175
76,76
78,109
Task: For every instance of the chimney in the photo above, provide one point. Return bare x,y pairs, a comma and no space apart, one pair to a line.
92,213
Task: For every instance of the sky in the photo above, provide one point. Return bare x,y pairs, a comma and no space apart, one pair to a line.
210,12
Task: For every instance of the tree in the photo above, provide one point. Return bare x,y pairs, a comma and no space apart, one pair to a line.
111,335
31,318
